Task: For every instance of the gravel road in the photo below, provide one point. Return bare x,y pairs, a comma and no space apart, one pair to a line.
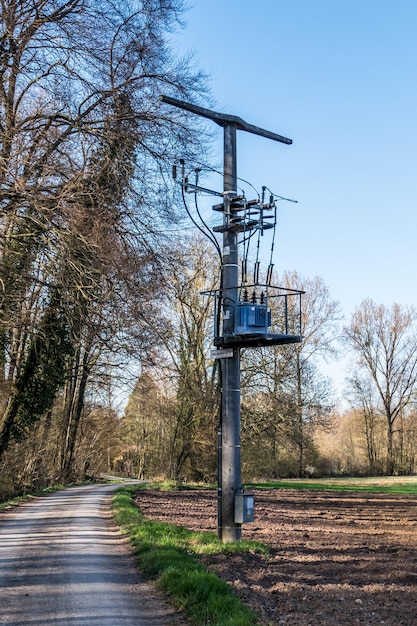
62,561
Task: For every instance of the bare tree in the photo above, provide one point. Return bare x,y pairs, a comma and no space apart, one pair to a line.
183,366
384,341
290,376
84,147
194,375
362,397
146,430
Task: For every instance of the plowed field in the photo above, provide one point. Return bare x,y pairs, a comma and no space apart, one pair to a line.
336,558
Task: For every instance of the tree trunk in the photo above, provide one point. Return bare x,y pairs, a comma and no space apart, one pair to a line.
75,406
390,450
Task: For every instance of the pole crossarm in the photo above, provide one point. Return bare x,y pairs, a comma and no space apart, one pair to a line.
223,119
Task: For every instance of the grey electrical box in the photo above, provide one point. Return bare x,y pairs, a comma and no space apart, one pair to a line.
244,508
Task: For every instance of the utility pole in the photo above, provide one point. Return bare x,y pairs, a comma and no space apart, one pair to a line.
231,486
231,483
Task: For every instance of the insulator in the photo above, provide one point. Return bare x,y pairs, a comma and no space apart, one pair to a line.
244,270
256,273
174,172
269,274
262,299
254,297
245,295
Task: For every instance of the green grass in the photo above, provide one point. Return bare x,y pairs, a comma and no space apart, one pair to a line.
170,555
385,484
18,499
13,502
6,504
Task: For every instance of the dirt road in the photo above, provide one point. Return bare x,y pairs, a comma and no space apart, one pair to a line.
63,562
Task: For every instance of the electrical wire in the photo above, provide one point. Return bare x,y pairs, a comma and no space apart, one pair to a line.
245,242
271,265
209,235
280,197
248,234
250,185
257,262
209,168
205,231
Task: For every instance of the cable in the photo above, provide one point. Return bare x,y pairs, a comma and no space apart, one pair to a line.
204,232
257,262
271,265
251,223
250,185
204,166
207,231
280,197
209,168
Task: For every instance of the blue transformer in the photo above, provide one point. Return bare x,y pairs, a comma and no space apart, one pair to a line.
252,319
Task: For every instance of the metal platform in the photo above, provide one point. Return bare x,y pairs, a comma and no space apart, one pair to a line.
255,340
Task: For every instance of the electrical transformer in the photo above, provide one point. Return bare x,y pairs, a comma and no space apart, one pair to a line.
252,319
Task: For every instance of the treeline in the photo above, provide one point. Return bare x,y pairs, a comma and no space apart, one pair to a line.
172,417
290,425
85,150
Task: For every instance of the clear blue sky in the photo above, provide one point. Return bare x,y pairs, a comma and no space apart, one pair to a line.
339,77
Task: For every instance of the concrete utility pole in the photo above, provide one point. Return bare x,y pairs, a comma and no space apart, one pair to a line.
231,485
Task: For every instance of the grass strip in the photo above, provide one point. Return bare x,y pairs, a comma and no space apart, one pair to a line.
169,554
28,496
318,485
7,504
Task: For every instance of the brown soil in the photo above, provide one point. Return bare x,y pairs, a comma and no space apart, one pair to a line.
335,558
